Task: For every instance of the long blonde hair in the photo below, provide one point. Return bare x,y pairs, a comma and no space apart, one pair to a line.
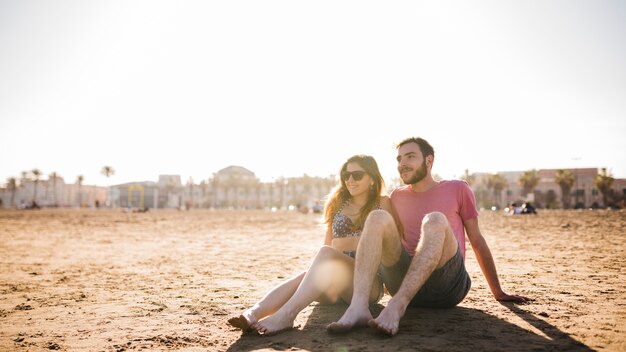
340,194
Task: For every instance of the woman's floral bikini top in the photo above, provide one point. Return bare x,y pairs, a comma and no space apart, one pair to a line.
342,227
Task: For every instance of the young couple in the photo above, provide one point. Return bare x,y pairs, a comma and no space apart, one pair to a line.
413,242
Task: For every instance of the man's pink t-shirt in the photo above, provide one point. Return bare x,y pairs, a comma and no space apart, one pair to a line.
453,198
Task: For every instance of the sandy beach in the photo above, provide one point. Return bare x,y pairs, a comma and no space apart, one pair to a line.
105,280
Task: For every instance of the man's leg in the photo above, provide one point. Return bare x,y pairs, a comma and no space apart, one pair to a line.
437,245
379,243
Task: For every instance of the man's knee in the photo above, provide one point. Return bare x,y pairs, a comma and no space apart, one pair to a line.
434,223
379,220
436,230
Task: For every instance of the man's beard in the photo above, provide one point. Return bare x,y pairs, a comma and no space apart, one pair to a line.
418,175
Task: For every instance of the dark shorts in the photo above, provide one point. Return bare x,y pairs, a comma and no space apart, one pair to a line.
446,287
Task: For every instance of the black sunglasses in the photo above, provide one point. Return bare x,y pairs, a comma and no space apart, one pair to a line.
356,175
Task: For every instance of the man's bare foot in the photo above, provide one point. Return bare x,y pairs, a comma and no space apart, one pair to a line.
388,321
274,324
352,318
246,321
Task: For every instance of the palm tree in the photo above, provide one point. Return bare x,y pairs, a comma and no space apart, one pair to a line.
107,171
170,187
280,184
603,182
528,180
79,182
54,177
36,173
216,185
259,192
565,180
468,178
203,186
22,183
191,198
12,186
496,182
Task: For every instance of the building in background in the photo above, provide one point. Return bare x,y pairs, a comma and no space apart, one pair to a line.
52,193
236,187
504,188
233,187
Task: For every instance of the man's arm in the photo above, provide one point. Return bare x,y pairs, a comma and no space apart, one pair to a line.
485,260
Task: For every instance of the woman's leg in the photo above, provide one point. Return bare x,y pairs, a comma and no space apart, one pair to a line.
269,304
328,277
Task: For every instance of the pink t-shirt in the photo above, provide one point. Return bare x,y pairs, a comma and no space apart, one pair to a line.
453,198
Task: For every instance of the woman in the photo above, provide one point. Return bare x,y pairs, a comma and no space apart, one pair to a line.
330,276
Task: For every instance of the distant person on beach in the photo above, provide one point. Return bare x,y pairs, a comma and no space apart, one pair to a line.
329,278
423,263
528,208
525,209
513,209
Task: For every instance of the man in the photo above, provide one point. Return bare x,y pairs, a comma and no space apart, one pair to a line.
421,260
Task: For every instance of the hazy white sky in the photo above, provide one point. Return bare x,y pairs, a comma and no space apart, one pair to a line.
285,88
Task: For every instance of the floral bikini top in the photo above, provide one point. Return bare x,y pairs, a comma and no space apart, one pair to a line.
343,227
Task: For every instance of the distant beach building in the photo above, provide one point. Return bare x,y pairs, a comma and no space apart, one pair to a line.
138,195
165,193
172,181
232,187
51,193
170,187
236,187
546,193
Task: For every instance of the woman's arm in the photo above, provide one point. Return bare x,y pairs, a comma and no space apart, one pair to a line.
328,240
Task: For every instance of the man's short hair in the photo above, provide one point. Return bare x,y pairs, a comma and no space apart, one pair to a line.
425,147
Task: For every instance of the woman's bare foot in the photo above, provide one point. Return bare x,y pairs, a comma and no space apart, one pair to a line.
352,318
246,321
274,324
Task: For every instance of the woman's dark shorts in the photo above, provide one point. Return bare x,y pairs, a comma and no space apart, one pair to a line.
446,287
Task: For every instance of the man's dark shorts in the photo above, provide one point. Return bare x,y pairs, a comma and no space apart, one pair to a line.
446,287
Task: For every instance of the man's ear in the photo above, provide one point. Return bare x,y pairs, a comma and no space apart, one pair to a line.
429,160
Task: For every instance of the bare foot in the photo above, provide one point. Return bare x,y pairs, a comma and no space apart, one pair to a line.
388,321
274,324
352,318
246,321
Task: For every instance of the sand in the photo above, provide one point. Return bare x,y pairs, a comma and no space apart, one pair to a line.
104,280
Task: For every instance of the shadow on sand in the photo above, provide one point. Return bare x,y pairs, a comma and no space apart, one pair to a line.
456,329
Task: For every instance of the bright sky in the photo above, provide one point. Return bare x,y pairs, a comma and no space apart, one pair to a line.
289,87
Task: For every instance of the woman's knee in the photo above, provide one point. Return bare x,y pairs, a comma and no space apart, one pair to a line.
327,252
